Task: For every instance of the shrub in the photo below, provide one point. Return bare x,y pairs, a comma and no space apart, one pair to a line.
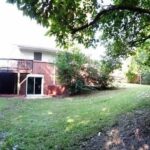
78,73
131,77
69,65
146,77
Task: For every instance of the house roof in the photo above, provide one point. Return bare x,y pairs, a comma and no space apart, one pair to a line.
37,49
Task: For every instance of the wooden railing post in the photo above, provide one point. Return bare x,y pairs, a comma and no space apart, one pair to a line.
18,83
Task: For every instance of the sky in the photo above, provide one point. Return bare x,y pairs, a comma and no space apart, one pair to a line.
18,29
15,28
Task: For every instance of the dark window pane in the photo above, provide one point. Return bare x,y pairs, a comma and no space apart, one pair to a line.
37,56
30,89
38,82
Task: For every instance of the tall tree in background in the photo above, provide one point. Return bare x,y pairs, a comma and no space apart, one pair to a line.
123,23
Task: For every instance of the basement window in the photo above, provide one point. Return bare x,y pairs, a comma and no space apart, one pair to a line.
37,56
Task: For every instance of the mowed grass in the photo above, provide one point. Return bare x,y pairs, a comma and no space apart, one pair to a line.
62,123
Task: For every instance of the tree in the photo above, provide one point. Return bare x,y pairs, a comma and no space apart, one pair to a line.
79,73
142,59
69,65
143,55
125,22
139,67
133,72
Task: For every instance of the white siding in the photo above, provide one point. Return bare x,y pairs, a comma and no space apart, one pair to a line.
13,52
46,56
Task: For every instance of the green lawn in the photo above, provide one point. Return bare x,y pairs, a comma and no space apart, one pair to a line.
62,123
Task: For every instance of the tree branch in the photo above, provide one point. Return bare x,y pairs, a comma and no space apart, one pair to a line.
111,8
139,41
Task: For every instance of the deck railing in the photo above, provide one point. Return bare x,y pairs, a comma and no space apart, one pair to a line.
16,65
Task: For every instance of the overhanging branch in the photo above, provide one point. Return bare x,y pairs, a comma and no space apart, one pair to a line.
111,8
139,41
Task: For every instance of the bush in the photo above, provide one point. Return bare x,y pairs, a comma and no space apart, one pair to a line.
131,77
80,74
69,65
146,77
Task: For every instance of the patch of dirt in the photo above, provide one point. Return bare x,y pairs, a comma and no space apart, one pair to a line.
131,132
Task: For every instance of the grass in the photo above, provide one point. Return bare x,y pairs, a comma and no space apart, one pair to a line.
62,123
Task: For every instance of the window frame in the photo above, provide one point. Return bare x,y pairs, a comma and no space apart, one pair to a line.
38,56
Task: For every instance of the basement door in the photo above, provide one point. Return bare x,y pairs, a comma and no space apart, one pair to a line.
34,85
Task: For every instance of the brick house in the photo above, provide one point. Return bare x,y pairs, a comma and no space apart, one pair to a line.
26,70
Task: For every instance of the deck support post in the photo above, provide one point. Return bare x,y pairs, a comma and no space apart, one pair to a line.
54,75
18,83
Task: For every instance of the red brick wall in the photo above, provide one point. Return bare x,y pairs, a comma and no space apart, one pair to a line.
47,70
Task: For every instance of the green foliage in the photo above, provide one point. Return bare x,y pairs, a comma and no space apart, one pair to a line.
59,16
140,66
78,73
133,71
96,76
143,55
108,65
123,26
110,61
69,65
127,2
131,76
80,20
146,77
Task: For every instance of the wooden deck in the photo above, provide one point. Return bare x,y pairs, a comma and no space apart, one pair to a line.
21,68
16,65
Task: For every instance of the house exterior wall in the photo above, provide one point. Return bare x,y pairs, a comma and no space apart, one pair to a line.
43,68
46,69
46,56
14,52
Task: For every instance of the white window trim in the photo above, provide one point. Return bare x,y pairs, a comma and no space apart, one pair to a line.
42,85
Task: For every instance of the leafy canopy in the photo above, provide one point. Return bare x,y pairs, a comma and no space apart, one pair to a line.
78,73
126,22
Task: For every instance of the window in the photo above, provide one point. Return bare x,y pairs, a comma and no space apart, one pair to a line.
37,56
